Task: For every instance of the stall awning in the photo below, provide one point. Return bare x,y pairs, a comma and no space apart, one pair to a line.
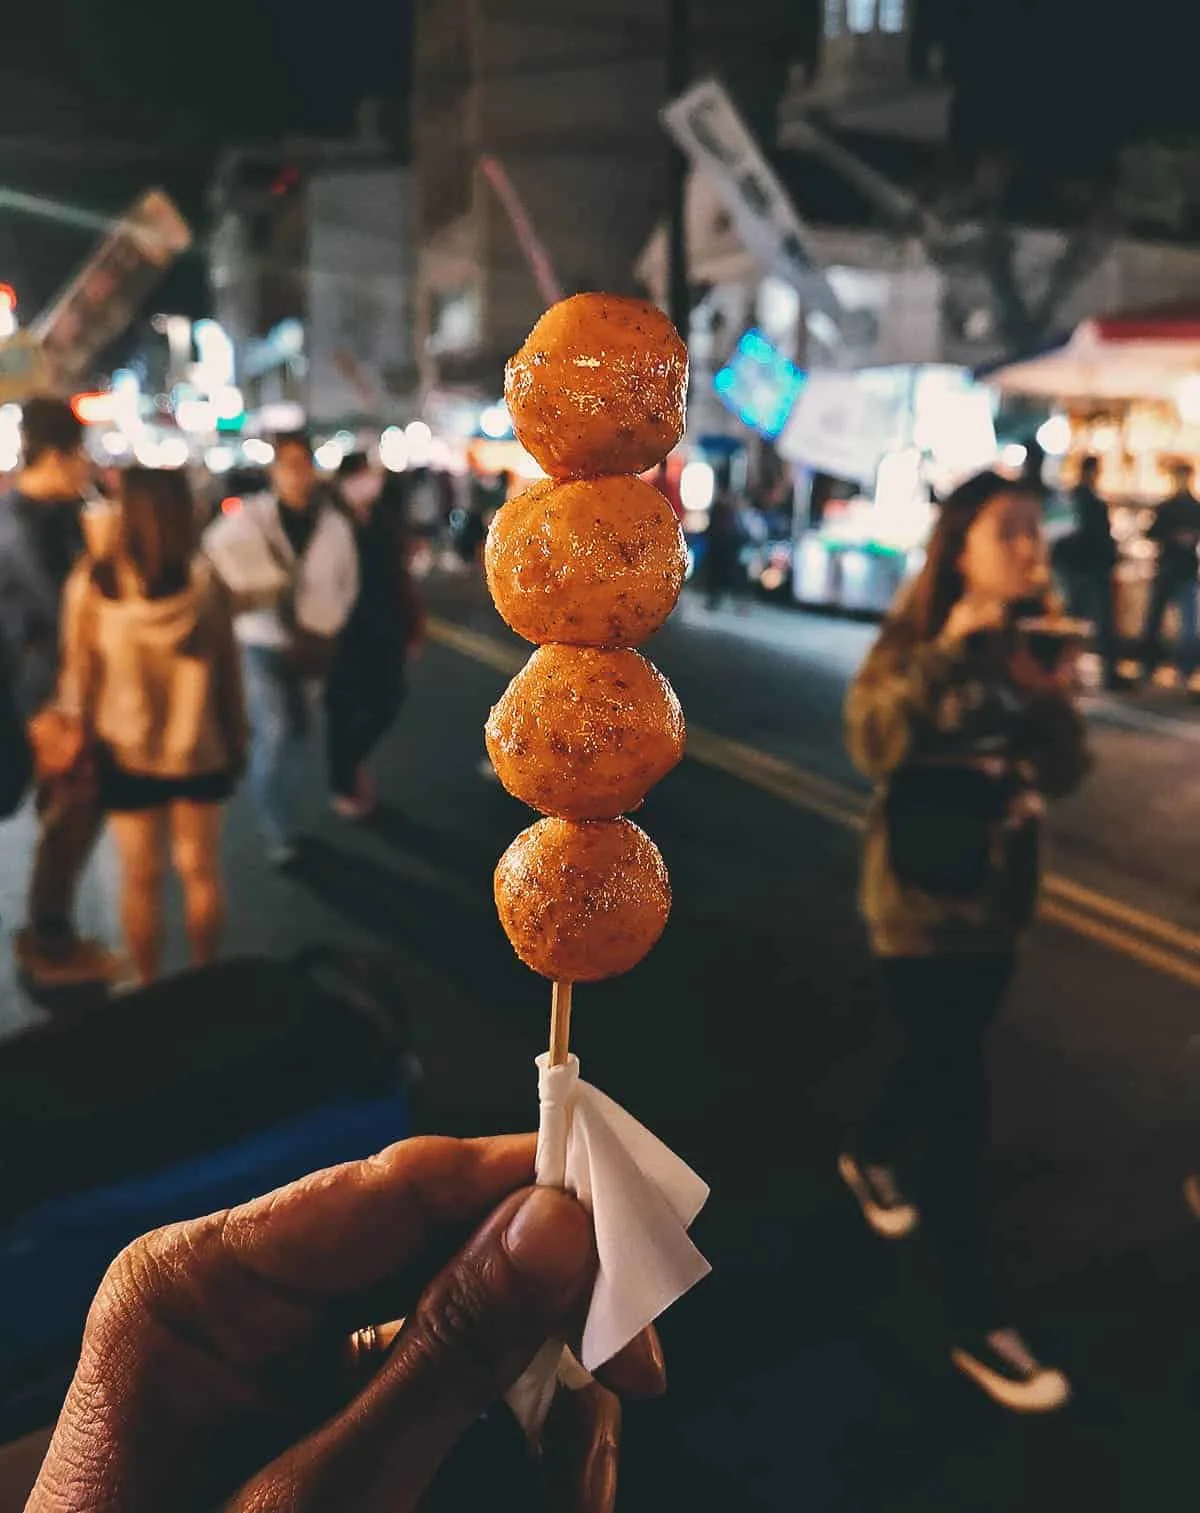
1140,354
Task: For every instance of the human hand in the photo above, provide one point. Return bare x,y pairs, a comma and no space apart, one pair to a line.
57,742
217,1368
974,616
1033,676
253,600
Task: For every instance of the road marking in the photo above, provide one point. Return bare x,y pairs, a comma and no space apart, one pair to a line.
1169,948
507,659
1121,940
1136,919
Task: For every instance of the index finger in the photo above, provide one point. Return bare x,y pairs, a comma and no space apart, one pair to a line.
351,1227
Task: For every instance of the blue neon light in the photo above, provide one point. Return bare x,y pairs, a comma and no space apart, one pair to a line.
759,385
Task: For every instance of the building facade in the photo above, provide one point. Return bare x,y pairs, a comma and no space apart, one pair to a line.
540,160
312,272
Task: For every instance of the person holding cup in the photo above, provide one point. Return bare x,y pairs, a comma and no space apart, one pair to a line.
964,722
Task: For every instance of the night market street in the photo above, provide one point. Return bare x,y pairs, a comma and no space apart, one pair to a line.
809,1371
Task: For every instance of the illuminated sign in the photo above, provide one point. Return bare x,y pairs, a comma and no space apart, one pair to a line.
759,385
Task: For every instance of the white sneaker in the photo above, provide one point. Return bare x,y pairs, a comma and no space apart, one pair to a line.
884,1207
1011,1375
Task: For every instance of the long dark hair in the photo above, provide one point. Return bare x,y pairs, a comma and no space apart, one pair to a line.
158,534
939,585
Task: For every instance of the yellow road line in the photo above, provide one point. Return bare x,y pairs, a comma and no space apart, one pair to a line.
487,649
1121,940
1065,902
1136,919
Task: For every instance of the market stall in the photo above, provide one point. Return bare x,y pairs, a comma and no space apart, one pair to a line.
874,449
1126,389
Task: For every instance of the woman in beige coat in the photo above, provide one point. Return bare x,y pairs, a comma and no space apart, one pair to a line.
151,668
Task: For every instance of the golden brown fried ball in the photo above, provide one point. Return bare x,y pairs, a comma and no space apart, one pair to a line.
585,734
600,386
593,562
581,902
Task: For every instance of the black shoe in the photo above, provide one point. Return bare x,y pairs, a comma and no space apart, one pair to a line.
884,1206
1009,1372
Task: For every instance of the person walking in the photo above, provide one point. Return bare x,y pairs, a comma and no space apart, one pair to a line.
366,686
962,730
1176,533
41,538
723,542
1088,559
290,561
151,670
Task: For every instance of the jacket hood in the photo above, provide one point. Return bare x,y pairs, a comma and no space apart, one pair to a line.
166,624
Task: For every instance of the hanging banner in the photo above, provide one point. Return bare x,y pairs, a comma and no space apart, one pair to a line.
106,294
839,427
22,369
706,125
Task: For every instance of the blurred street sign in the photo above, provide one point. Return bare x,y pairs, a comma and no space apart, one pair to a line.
106,294
707,127
22,368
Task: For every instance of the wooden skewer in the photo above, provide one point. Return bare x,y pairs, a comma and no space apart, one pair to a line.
560,1023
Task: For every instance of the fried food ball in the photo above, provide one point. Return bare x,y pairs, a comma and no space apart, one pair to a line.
594,562
581,902
600,386
583,733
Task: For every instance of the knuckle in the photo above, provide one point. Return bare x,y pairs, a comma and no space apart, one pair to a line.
463,1325
134,1277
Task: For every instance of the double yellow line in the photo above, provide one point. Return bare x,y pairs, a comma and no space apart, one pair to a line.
1157,943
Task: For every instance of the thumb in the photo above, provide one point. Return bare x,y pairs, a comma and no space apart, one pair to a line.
517,1283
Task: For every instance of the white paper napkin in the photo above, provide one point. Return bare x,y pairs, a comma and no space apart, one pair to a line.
642,1199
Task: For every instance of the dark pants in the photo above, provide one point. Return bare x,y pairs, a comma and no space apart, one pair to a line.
1092,599
723,573
70,822
937,1093
359,711
1167,590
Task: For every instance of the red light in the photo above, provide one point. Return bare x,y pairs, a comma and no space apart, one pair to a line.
288,178
231,506
93,409
8,296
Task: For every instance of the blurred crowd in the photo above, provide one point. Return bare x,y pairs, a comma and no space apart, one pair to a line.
153,658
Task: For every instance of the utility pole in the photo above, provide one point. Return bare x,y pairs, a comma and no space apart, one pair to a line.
678,77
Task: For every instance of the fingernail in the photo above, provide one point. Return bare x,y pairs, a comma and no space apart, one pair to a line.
549,1239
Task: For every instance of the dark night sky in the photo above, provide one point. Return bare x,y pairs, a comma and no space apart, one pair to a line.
122,95
119,95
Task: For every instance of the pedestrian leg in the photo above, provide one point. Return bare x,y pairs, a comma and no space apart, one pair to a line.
1094,602
271,734
70,821
896,1113
140,839
1188,631
196,855
957,1118
1160,597
344,743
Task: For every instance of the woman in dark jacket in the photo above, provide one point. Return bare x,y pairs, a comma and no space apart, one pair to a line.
366,685
963,729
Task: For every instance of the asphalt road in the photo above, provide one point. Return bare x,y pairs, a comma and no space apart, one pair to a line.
810,1370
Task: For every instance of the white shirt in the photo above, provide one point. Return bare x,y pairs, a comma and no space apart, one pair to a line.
252,554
